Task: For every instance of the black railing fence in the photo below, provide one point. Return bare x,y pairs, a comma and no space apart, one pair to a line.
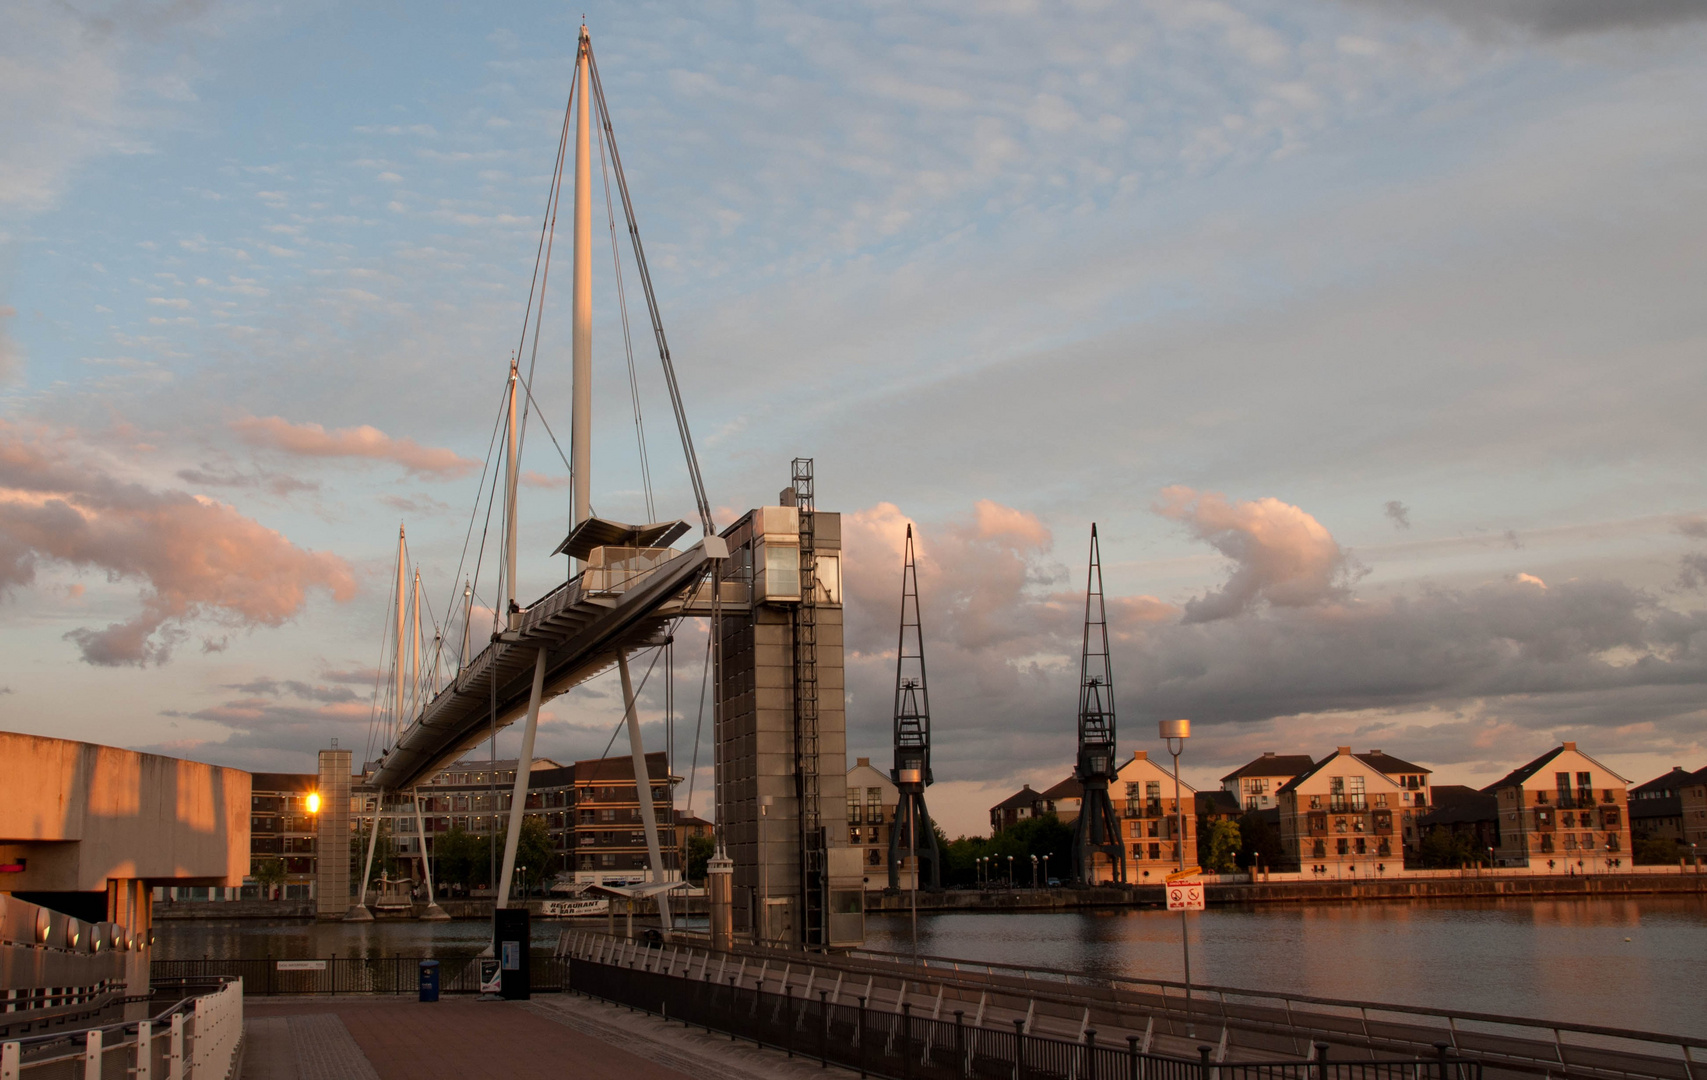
352,974
904,1046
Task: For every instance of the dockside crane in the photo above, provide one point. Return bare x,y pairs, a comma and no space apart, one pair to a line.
911,834
1098,829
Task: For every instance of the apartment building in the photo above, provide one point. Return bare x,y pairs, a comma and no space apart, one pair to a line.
1656,807
1062,800
1565,811
1340,818
1414,800
1692,807
871,812
590,810
1256,784
282,826
1150,819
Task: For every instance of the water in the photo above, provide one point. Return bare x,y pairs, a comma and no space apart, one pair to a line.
1627,963
1562,960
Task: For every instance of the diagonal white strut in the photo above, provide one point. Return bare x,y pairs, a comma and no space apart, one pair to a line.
519,792
643,788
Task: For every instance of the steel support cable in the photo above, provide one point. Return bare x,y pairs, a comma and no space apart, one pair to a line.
627,339
694,476
378,676
699,720
552,202
547,227
474,514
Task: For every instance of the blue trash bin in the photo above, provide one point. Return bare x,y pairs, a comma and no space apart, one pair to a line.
429,980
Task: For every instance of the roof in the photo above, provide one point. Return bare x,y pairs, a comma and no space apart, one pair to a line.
1666,806
1661,786
262,782
596,770
602,532
1389,764
1455,804
1023,797
1217,801
685,818
1522,775
1315,767
1272,764
1069,788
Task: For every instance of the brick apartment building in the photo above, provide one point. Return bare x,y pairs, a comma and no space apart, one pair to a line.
1566,811
1144,794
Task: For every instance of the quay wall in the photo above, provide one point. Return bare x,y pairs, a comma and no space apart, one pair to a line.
1300,892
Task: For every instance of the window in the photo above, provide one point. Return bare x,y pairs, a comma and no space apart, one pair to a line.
1339,824
853,813
1319,850
1256,785
1381,799
1315,802
1588,841
1342,846
1362,846
1612,841
1155,851
607,860
1152,831
1570,841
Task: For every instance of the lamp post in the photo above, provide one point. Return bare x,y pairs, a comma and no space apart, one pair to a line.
1046,871
522,872
1010,871
1034,871
1175,733
765,802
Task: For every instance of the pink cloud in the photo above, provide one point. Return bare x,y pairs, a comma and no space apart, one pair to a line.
196,557
312,440
1280,553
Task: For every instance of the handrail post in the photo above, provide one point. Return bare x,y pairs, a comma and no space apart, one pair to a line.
1019,1049
823,1029
860,1037
92,1054
907,1040
144,1050
1132,1057
1321,1061
960,1040
1203,1053
1440,1050
9,1061
788,1015
1090,1054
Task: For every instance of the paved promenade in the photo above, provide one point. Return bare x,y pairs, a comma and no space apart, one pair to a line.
367,1038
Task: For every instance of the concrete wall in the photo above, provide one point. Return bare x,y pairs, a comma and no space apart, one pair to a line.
79,815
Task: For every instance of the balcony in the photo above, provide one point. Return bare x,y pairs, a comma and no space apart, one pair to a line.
1341,804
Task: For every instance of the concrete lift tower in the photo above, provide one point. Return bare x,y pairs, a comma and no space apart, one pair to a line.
1098,830
911,834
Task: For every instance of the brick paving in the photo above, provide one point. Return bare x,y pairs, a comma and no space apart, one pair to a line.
406,1040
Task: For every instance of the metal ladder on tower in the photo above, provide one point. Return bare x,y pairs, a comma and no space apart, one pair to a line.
812,842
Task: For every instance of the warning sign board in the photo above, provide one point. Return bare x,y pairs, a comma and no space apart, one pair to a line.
1179,875
1186,894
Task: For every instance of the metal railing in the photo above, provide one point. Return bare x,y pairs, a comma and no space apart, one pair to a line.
902,1046
195,1039
349,974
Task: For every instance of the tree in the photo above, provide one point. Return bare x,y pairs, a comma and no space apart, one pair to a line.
1039,836
1259,843
1443,849
700,851
1220,850
461,859
270,875
1658,850
533,851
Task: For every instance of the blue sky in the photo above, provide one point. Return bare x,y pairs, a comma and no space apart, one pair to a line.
1002,270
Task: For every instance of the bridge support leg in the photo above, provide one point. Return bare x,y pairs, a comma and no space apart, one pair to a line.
643,789
358,911
519,793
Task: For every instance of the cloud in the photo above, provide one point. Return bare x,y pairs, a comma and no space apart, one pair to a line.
11,356
196,557
1692,571
1280,553
224,476
1561,18
1400,513
312,440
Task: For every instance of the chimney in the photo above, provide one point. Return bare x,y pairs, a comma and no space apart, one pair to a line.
1372,753
1268,753
862,761
1570,746
1028,787
1141,755
1344,750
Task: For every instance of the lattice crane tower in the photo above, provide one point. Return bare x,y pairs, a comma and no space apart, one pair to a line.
911,834
1098,830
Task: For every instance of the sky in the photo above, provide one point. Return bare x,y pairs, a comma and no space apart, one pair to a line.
1368,333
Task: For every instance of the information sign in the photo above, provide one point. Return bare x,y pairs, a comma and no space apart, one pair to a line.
1185,894
301,965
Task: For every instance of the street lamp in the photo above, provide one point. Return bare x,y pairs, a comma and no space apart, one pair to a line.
1010,871
1034,871
1175,733
765,802
522,872
1046,870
